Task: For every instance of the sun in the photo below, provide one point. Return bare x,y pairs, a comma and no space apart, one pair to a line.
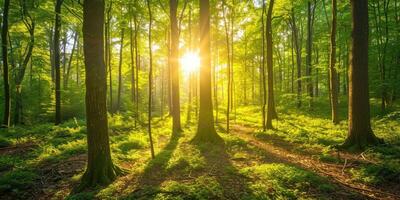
190,62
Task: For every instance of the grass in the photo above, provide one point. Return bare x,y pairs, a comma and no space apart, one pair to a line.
48,160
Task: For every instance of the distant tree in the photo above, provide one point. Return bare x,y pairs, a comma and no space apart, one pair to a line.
332,67
100,168
150,79
271,111
205,128
360,133
30,25
120,70
4,46
174,64
56,45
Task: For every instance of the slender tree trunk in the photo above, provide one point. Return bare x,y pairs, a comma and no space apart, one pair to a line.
309,52
100,168
4,45
298,57
56,41
20,74
360,133
121,47
264,84
176,112
150,80
205,129
68,70
228,67
132,44
108,56
270,100
332,67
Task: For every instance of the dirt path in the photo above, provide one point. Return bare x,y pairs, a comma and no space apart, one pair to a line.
334,172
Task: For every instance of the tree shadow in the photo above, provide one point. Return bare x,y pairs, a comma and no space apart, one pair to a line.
155,173
219,166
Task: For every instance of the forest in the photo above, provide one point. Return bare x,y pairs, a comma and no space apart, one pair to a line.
199,99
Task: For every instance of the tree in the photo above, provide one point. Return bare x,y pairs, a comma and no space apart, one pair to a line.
360,133
270,104
100,168
264,79
174,64
56,45
332,67
310,23
4,46
120,70
205,127
30,26
150,79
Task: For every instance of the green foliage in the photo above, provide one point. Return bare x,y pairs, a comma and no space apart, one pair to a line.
281,181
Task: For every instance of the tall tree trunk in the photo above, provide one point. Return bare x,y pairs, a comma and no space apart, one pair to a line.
20,74
228,67
298,56
271,111
150,79
132,45
121,47
100,168
56,41
4,45
68,70
264,79
309,52
332,67
176,108
205,129
108,56
360,133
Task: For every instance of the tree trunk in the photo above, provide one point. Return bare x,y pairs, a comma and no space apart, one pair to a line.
298,56
132,45
4,45
332,68
264,85
100,168
150,80
56,41
228,67
271,111
68,70
121,47
205,129
309,53
20,74
360,133
176,112
108,56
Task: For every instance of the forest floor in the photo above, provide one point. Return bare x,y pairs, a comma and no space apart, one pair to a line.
296,160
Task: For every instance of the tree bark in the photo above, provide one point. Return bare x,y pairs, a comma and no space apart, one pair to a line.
360,133
271,111
332,67
176,112
100,168
56,41
205,129
120,70
150,80
4,45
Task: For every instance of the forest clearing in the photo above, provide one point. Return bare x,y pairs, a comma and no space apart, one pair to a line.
205,99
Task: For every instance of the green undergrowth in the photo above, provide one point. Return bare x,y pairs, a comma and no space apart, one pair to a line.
49,160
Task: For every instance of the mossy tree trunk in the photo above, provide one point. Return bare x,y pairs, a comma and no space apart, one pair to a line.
100,168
